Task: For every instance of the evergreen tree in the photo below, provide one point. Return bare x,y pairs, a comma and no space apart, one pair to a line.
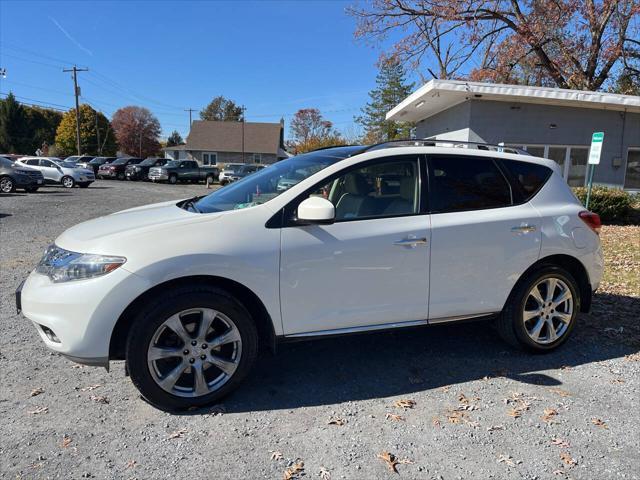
391,89
174,139
13,135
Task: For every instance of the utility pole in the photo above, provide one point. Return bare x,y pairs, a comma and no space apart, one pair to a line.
76,92
189,110
243,108
98,135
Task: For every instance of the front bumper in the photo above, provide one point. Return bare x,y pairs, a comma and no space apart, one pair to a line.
158,177
77,318
133,175
108,173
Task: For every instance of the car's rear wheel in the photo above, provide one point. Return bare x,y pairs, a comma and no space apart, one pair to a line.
173,179
68,182
120,176
7,185
191,349
541,311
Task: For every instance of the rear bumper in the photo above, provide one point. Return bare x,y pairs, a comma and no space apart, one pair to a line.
158,177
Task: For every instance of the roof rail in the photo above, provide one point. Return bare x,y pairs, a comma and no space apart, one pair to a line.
432,142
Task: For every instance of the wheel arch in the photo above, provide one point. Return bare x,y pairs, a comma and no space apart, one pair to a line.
570,264
264,323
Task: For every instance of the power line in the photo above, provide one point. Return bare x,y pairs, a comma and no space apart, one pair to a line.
53,106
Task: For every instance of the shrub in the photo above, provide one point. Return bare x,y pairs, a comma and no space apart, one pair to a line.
612,204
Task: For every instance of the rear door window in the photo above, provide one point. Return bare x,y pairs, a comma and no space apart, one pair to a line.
527,177
458,183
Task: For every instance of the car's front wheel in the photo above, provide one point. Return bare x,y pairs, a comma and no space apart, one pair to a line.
7,185
68,182
191,348
541,311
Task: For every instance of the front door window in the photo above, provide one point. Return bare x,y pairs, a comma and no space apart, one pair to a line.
578,166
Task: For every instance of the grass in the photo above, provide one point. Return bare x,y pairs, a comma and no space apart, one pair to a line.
621,246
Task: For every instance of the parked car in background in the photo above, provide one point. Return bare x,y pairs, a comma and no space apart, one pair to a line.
58,171
228,170
140,171
117,168
175,171
80,160
14,176
244,171
11,156
96,162
396,235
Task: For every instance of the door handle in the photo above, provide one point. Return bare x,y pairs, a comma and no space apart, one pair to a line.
411,242
523,229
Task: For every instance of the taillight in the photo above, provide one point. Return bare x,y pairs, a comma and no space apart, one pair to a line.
592,220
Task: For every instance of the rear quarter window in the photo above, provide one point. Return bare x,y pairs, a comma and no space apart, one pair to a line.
528,178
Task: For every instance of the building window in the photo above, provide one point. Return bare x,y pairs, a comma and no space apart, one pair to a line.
577,166
209,158
632,177
257,158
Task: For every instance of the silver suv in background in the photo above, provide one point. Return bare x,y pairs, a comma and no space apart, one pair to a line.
57,171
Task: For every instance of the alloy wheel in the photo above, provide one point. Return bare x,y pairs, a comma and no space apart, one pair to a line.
548,310
6,185
67,182
194,352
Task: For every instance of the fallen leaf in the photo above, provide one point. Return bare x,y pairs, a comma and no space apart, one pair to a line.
560,472
275,455
337,421
617,381
446,388
435,421
393,416
559,442
494,428
131,464
405,403
293,470
99,399
559,391
514,412
599,423
548,414
633,357
567,459
507,460
38,410
324,474
35,392
178,433
66,441
392,461
90,388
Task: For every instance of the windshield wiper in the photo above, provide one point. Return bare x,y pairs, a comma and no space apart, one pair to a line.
191,204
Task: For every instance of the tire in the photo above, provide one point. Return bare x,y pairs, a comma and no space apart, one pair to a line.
120,176
68,182
173,179
551,323
7,185
150,328
31,189
84,184
210,179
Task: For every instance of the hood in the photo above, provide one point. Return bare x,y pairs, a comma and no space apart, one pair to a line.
113,233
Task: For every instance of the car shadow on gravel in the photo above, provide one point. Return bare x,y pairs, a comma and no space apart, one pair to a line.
377,365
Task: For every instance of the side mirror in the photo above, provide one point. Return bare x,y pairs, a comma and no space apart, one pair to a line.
316,210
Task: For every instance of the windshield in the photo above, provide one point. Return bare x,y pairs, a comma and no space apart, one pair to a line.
67,164
265,184
172,163
233,167
148,161
98,160
120,161
247,169
5,162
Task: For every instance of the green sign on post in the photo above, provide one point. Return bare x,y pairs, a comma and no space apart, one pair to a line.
594,159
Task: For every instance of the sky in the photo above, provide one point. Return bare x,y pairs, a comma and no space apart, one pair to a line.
274,57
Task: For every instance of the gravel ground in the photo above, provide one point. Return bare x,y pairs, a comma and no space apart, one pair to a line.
473,408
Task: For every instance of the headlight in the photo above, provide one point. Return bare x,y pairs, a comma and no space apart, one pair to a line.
61,265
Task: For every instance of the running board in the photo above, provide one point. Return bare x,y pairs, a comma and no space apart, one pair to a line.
390,326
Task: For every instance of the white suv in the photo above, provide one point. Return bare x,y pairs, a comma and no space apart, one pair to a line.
54,170
390,236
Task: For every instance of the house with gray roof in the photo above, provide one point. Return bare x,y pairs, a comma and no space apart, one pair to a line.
213,142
